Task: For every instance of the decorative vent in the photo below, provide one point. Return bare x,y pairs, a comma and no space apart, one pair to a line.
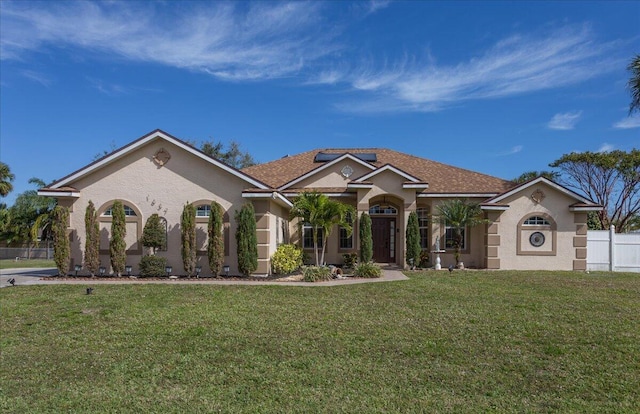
326,156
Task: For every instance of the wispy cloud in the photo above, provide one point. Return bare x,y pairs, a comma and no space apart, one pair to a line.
37,77
606,147
565,121
516,65
110,89
234,41
628,122
513,150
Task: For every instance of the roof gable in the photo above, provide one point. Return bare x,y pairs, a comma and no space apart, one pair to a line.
500,197
324,166
387,167
140,142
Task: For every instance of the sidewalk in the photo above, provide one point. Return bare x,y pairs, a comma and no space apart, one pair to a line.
31,276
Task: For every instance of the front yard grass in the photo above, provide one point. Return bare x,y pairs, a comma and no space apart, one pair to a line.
25,263
468,342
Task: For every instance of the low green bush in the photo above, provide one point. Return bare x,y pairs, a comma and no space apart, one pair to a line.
151,266
286,259
368,270
316,273
424,259
350,260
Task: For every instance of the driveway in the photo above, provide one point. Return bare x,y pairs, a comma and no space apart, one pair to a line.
34,276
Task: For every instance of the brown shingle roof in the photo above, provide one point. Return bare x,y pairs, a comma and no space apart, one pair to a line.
442,178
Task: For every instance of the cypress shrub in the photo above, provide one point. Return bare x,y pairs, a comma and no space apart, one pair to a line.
246,239
92,240
413,239
61,249
118,244
188,225
154,234
366,239
215,244
152,266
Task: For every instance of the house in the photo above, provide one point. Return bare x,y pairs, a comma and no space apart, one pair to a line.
535,225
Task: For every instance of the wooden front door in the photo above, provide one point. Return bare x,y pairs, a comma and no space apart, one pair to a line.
383,231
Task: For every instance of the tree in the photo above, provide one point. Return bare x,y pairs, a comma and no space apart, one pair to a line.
634,84
413,239
459,215
188,232
246,239
366,239
61,250
118,244
92,240
215,244
611,179
154,234
233,156
29,216
6,177
321,213
530,175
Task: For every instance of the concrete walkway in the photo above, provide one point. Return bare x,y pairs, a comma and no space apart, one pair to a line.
33,276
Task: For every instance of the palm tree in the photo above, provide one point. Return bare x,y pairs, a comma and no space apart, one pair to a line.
5,179
634,84
322,214
459,214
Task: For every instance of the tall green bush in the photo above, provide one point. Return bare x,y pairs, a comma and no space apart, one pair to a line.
246,239
152,266
366,239
154,234
118,244
215,245
413,239
92,240
61,250
188,226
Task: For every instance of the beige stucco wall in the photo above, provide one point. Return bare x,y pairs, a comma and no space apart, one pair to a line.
473,254
555,205
139,182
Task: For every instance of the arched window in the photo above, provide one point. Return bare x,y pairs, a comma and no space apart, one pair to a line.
128,211
536,221
383,210
203,210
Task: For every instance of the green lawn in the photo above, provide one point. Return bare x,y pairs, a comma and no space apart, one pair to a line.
471,342
20,264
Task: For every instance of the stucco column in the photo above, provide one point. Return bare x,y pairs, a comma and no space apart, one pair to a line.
492,240
580,241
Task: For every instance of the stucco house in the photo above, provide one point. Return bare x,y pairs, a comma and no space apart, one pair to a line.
535,225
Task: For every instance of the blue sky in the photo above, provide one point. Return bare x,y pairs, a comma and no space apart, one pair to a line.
497,87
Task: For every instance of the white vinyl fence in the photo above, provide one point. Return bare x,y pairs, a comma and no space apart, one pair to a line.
607,250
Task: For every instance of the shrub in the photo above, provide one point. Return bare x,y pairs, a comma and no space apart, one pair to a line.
215,245
151,266
92,240
61,249
188,227
350,260
286,259
413,240
316,273
117,244
246,239
368,270
154,234
366,239
424,259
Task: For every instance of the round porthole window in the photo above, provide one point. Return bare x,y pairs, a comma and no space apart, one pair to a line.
536,239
